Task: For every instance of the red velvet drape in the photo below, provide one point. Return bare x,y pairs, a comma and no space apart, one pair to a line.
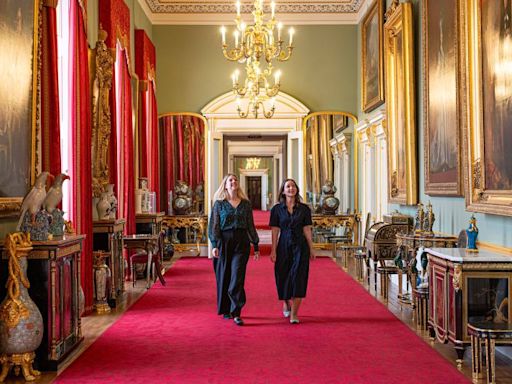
50,126
81,129
167,133
125,147
154,157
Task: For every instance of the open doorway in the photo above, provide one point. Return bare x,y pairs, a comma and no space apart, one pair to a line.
254,191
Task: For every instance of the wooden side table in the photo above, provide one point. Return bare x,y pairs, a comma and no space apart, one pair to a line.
486,333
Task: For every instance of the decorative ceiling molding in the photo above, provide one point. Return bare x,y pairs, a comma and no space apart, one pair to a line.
218,12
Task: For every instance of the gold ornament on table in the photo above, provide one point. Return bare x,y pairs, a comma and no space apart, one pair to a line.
257,47
419,219
428,221
21,323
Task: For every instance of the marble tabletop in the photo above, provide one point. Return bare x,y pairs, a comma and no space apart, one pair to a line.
462,255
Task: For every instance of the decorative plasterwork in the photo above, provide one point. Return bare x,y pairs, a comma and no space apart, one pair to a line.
215,12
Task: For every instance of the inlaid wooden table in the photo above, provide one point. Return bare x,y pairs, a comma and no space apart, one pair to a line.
486,333
143,241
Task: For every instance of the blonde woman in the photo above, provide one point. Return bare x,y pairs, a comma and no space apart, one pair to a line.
231,232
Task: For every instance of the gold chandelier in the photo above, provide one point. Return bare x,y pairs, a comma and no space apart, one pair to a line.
256,46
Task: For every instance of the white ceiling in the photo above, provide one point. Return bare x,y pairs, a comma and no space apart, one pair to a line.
223,11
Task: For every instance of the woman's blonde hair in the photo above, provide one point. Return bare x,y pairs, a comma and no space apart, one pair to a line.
221,194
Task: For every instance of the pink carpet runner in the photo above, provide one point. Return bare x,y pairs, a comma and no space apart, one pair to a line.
261,219
172,335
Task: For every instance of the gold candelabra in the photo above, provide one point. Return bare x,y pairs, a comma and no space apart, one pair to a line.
257,48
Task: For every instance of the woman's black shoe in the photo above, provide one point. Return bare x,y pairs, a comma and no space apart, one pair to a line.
238,321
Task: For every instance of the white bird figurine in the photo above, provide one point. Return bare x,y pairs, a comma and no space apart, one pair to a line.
34,199
54,195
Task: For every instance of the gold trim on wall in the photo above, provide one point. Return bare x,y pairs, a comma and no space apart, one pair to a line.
376,10
480,197
400,104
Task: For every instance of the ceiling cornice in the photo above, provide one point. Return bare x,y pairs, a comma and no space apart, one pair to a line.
187,12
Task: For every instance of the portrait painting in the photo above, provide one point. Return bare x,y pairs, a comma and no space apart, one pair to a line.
441,114
372,57
399,64
17,122
497,93
339,123
488,138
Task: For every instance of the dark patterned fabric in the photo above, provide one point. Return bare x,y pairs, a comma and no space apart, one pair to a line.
224,218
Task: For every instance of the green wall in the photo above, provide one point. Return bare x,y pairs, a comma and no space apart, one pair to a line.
451,215
191,70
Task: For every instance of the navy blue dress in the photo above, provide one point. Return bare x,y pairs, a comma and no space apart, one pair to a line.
292,262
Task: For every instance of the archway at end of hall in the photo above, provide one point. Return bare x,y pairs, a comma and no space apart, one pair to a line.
224,123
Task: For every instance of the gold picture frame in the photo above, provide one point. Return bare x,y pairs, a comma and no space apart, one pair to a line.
441,98
400,104
487,137
372,57
18,91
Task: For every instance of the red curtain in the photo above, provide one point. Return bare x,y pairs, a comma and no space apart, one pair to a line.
145,62
154,168
167,133
81,132
125,147
50,126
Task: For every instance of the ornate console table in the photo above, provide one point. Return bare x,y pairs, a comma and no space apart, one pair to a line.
54,274
196,223
149,223
467,287
414,241
324,225
108,236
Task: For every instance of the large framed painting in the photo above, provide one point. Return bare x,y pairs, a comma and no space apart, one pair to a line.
18,82
488,137
400,90
372,56
441,98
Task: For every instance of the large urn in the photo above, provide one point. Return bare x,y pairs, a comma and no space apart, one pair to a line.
21,323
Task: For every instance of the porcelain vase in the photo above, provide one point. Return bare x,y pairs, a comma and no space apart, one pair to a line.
21,323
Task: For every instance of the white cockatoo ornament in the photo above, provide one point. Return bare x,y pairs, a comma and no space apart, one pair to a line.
34,199
54,195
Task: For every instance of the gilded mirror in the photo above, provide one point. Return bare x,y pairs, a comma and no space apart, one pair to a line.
327,137
182,175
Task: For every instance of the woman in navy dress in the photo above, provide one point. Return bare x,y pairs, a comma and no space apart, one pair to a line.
291,223
231,230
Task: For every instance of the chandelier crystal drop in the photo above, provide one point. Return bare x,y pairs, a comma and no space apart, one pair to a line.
257,46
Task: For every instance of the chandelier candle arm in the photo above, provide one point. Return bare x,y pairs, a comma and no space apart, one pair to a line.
255,46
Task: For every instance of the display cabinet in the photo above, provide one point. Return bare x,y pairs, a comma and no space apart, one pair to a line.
54,274
108,236
466,287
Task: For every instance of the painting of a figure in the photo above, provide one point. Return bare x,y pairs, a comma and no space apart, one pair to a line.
16,47
372,82
442,123
496,29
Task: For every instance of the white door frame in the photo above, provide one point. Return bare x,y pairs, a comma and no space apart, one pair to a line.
261,173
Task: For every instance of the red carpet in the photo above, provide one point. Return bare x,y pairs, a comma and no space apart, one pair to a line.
172,335
261,219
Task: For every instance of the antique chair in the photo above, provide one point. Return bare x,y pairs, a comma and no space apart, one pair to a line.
155,267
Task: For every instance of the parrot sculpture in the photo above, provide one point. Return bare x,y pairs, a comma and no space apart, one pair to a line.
54,195
33,201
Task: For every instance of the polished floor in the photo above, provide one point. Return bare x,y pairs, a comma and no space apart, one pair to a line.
95,325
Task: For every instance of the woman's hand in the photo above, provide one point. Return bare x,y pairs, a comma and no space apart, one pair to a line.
273,256
312,254
256,255
215,253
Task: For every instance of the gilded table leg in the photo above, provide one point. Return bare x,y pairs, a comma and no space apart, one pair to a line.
490,360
